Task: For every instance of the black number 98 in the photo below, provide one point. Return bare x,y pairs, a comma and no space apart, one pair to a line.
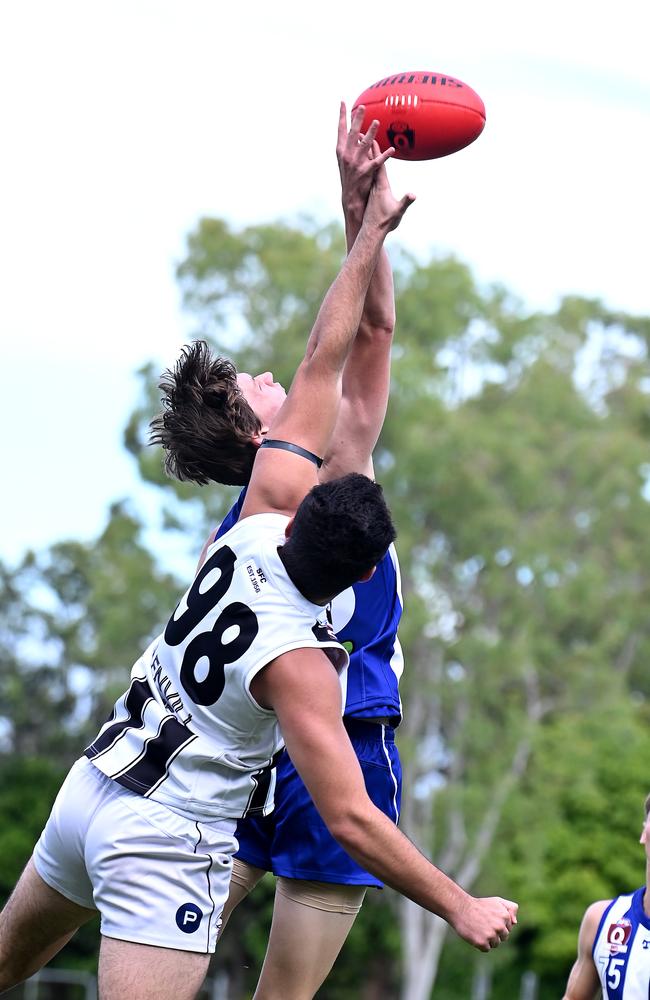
237,617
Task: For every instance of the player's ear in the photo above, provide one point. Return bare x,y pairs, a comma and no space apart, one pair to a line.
367,576
259,437
289,527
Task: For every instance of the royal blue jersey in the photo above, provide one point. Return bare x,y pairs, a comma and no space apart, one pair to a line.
365,619
621,949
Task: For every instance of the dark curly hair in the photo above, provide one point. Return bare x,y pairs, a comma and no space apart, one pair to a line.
206,426
341,530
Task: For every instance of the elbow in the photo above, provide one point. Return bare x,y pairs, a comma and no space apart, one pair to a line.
379,328
350,826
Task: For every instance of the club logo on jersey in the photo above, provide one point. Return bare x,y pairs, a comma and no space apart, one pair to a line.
255,576
188,918
618,935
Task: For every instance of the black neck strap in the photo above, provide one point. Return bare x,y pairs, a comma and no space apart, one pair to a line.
295,448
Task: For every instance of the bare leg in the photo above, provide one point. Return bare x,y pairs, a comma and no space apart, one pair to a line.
243,880
142,972
308,931
34,925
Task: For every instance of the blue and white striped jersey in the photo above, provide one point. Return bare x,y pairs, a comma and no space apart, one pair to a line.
365,619
621,949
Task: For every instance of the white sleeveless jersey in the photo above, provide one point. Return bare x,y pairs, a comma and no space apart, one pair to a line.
621,949
188,731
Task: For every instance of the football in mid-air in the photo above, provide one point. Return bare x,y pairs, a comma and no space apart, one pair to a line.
423,115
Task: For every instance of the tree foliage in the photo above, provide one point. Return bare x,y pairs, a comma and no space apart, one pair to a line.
515,459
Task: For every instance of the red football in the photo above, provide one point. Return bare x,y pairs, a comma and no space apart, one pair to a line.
423,115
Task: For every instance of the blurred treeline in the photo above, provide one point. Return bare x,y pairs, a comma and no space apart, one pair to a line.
515,456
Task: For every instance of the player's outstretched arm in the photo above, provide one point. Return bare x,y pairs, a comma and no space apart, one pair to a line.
307,417
366,376
584,983
303,689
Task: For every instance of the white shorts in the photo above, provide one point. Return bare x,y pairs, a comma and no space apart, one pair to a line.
156,877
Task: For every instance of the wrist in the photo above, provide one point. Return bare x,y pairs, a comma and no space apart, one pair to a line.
374,229
456,904
353,209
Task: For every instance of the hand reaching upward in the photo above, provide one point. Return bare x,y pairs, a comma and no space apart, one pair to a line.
358,158
384,210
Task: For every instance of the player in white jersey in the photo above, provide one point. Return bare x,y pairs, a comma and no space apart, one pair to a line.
614,943
319,887
128,851
188,733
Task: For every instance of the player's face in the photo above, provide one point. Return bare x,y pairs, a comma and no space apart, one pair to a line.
645,835
263,395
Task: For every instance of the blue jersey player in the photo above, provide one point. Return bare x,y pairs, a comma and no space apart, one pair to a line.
614,943
320,889
209,436
293,842
153,853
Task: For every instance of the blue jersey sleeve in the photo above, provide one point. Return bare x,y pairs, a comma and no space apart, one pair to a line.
232,516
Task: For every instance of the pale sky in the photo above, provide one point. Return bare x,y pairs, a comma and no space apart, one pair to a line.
125,122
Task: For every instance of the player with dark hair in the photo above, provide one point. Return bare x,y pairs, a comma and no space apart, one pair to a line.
143,826
319,888
614,942
207,428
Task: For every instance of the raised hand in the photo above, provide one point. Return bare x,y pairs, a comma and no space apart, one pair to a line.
486,921
358,157
383,209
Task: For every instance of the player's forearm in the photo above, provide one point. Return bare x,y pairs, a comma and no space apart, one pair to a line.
379,847
340,314
378,317
366,380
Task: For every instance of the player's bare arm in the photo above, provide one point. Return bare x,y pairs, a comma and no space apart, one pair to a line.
366,376
584,983
303,689
308,415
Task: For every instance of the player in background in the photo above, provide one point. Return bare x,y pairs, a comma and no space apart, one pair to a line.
614,943
156,825
319,887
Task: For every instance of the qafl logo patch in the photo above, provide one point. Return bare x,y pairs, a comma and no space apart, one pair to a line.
618,935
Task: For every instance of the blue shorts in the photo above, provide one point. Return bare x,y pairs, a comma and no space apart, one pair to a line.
294,842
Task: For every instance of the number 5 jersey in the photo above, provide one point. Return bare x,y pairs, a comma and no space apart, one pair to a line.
621,949
188,732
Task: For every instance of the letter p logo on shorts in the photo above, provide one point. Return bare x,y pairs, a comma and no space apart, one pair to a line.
188,918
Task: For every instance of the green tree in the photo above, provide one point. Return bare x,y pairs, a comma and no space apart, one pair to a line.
572,835
525,553
515,458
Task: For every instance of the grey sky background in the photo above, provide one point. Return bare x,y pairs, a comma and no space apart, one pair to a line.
124,122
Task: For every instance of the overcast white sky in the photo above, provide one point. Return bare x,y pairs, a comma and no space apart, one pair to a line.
124,122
